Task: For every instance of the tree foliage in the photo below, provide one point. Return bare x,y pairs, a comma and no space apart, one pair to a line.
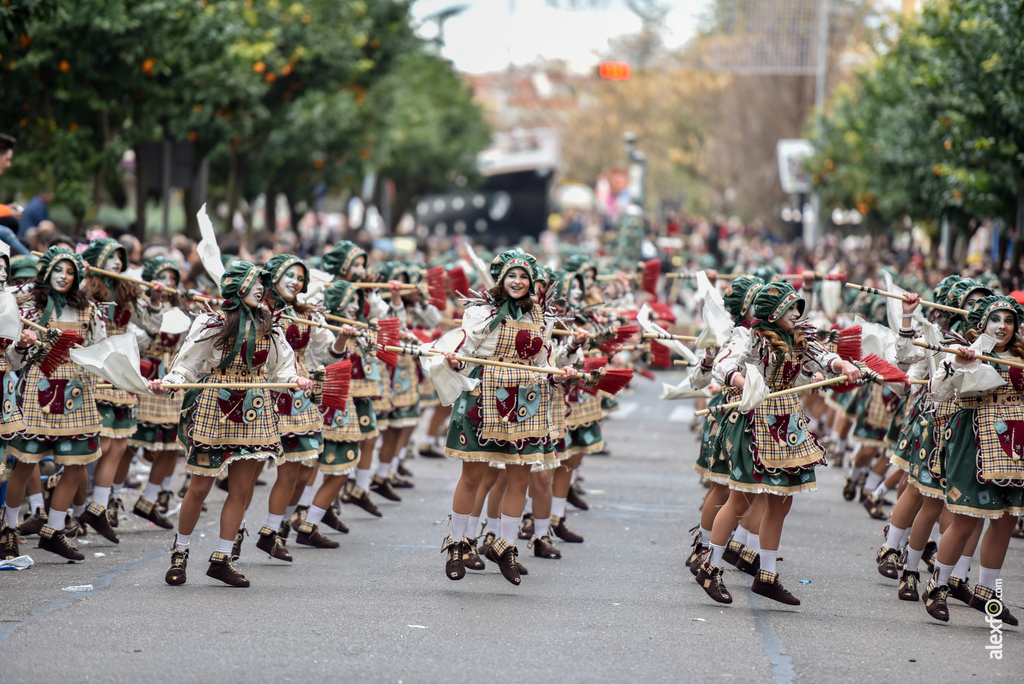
934,125
274,93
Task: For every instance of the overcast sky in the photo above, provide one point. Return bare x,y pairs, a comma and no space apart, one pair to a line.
489,35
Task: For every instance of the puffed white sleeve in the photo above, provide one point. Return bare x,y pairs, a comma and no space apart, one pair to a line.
147,318
465,341
196,353
732,357
378,307
702,374
320,342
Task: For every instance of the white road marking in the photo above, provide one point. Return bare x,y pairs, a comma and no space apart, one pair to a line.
681,414
626,409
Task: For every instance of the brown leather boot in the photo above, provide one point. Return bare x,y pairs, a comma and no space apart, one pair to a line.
163,500
543,547
575,497
767,584
709,577
33,523
151,512
985,600
934,598
504,554
222,567
454,567
382,486
873,505
908,590
8,542
179,564
309,534
563,532
888,562
749,561
114,507
236,548
360,497
471,556
526,527
332,520
95,516
961,590
54,541
269,542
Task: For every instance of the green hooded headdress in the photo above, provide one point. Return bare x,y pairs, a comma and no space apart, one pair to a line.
151,269
238,280
502,264
279,265
740,295
338,262
55,301
979,314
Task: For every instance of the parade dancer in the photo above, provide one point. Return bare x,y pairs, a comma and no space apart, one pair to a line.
774,453
502,414
983,470
222,429
60,408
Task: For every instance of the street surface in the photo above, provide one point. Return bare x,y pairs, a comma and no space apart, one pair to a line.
620,607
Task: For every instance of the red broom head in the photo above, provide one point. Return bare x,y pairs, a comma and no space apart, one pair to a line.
622,333
146,368
884,369
629,315
648,374
592,363
388,336
614,379
458,282
60,352
422,335
652,269
437,286
663,312
336,385
848,347
841,277
662,355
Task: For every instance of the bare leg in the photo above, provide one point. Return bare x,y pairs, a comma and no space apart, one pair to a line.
67,487
518,477
495,496
755,516
716,497
540,491
729,516
486,482
771,525
192,505
329,490
242,475
465,490
284,486
16,484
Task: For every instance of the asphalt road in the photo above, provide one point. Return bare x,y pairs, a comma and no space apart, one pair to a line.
619,607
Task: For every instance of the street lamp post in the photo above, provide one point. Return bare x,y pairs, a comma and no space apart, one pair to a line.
637,169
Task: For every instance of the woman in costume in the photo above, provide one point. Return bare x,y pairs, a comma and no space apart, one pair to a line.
223,428
983,472
157,416
501,415
60,409
773,452
125,310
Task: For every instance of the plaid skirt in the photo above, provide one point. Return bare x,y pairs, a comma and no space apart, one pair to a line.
712,462
12,422
965,492
338,458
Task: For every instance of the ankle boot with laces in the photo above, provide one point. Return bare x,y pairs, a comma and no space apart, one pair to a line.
543,547
908,590
563,532
222,567
95,516
934,598
504,554
888,562
8,542
332,520
309,534
179,564
33,523
151,512
709,577
767,584
54,541
454,566
269,542
236,548
471,556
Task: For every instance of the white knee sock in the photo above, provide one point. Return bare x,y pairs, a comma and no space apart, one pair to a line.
151,491
77,510
716,555
166,484
494,526
528,508
894,537
35,501
741,534
509,529
225,546
384,469
472,525
540,527
705,537
306,500
988,577
936,534
961,567
574,475
288,512
557,507
101,495
905,541
753,542
874,479
768,559
183,541
460,523
363,477
274,521
116,490
913,559
942,571
57,519
394,466
315,514
11,516
880,491
857,471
